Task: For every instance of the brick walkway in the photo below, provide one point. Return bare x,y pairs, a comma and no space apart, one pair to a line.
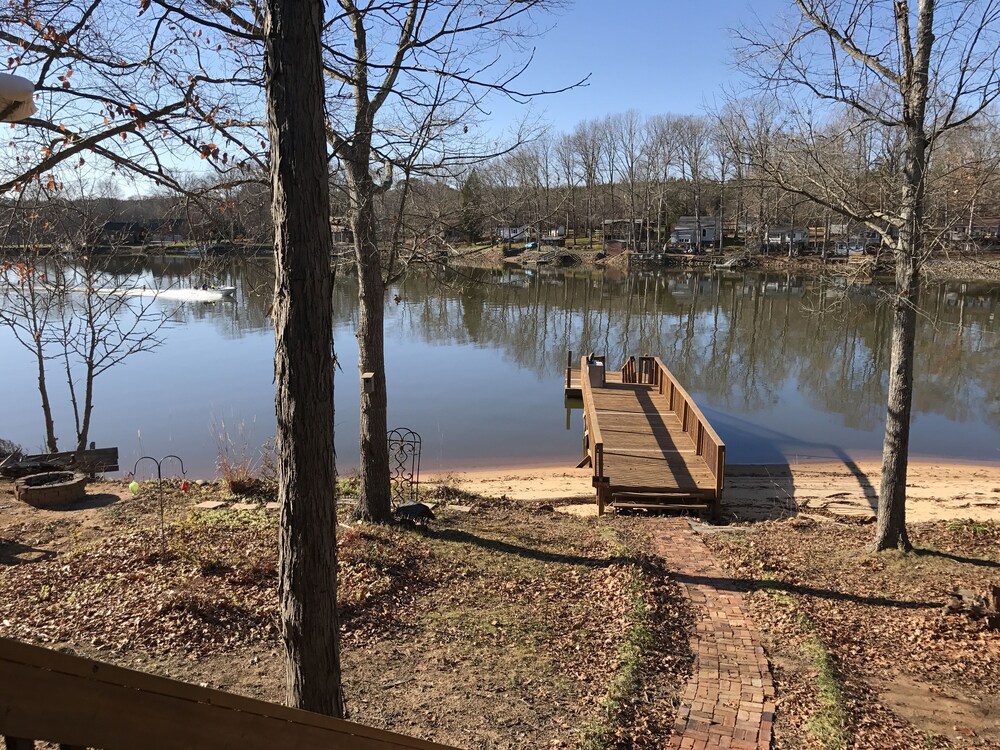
729,700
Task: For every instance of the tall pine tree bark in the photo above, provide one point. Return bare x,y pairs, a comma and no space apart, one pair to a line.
303,365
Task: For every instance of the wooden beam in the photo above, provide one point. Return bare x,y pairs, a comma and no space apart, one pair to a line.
79,702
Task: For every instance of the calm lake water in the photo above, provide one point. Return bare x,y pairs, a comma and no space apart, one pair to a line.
786,367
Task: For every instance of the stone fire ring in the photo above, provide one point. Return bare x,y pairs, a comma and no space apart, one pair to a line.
53,488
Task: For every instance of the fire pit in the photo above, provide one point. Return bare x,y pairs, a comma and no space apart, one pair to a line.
51,488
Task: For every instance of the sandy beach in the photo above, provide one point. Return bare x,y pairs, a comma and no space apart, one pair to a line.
935,489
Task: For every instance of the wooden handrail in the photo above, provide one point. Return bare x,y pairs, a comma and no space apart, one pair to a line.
628,371
707,442
595,443
54,697
646,372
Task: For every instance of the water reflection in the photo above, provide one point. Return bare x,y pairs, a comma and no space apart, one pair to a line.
786,366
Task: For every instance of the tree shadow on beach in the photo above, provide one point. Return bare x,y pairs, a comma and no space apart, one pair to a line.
765,490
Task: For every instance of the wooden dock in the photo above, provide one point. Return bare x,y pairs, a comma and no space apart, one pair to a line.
645,439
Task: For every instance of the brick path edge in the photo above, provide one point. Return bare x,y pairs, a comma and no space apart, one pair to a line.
729,700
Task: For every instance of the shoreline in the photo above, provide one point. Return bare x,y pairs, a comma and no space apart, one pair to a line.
936,489
981,266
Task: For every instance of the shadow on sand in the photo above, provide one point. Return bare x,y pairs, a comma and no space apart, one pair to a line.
766,490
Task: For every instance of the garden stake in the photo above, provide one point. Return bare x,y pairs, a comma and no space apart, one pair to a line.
159,493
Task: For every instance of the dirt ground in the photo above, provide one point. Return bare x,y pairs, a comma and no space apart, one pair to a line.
863,653
505,624
502,625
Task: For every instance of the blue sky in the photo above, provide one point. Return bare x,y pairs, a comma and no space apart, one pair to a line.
656,56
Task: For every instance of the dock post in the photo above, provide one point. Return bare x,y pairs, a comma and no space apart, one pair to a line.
717,508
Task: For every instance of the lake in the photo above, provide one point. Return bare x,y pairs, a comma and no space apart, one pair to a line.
787,367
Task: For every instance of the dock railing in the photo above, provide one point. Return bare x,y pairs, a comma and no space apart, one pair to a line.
79,703
707,442
593,443
641,371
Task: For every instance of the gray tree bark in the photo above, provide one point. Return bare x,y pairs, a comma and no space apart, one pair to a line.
891,527
303,365
374,501
43,390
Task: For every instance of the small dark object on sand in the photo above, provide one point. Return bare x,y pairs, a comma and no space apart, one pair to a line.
416,513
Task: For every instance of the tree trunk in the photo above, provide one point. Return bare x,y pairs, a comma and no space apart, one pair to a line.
891,528
83,417
83,431
697,221
722,217
590,216
375,496
890,531
303,365
43,391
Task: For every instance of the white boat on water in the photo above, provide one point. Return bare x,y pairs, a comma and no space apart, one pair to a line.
178,294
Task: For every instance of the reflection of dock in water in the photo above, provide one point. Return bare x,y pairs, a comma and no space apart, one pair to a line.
648,444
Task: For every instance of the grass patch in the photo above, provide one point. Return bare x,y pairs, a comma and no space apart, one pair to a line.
349,486
635,646
447,492
245,474
828,724
974,528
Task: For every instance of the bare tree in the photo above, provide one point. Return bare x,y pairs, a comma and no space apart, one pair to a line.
630,135
915,71
589,148
408,80
693,139
569,174
27,307
120,91
662,137
70,311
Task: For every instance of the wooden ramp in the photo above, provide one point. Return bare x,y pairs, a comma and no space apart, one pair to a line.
644,437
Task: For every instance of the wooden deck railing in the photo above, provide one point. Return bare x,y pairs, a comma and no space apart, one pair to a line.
80,703
642,370
593,443
628,371
707,442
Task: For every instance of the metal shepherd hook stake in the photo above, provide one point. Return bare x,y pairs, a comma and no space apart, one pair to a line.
159,491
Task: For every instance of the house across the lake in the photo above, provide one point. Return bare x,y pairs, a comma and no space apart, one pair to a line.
144,232
700,231
513,233
785,237
623,234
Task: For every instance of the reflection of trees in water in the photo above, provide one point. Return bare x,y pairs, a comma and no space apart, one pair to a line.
737,338
958,337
